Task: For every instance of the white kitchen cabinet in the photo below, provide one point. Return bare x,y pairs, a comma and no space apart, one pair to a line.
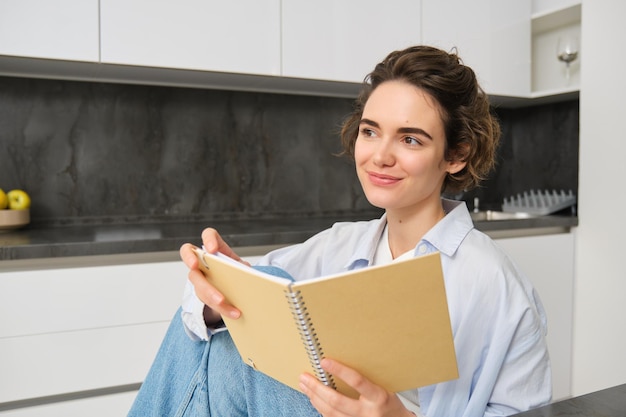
548,261
491,36
84,331
75,329
322,48
209,35
343,40
555,20
61,29
69,362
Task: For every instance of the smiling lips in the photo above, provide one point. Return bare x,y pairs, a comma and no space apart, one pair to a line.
382,179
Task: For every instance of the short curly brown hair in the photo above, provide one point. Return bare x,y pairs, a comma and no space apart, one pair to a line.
472,131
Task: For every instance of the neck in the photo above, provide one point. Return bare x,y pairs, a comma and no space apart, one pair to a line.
407,229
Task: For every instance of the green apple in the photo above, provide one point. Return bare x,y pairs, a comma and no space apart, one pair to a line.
18,200
4,200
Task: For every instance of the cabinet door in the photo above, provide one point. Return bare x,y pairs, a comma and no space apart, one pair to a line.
344,40
61,29
491,36
61,319
62,363
548,261
226,36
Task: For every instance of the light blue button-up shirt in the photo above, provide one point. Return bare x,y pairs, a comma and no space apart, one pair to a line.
498,322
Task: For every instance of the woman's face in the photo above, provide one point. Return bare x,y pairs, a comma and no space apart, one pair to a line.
399,151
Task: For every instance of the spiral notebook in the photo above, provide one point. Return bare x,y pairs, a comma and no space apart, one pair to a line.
388,322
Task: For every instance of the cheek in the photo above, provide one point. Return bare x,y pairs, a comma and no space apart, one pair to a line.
421,165
413,163
360,153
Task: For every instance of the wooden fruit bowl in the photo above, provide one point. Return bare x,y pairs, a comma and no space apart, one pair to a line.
14,219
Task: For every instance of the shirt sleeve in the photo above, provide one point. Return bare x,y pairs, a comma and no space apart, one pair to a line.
499,331
410,400
524,378
193,316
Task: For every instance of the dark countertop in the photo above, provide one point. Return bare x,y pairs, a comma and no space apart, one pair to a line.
610,402
87,239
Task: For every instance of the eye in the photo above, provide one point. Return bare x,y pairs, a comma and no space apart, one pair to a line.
411,140
367,132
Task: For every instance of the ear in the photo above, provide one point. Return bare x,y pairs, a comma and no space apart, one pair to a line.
457,158
455,166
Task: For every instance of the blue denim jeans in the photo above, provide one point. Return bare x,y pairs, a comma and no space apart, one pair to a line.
201,379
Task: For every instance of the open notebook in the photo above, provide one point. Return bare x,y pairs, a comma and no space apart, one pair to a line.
388,322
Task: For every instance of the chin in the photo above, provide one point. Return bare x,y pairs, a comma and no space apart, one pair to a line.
380,203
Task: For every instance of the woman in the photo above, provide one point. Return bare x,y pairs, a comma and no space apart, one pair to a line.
421,127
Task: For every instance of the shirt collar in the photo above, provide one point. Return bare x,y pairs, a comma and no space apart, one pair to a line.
446,236
364,254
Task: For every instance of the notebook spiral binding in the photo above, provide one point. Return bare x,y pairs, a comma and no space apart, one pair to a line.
308,336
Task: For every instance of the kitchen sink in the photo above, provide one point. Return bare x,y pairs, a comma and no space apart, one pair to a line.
494,215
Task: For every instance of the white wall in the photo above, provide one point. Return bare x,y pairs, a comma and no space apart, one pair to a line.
599,355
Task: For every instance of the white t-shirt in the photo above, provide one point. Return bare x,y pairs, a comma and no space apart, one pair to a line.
383,255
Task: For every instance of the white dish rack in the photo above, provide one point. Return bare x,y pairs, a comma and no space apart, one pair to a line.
539,202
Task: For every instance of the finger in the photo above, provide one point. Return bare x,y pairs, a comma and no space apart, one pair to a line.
188,255
211,296
213,243
208,294
326,400
362,385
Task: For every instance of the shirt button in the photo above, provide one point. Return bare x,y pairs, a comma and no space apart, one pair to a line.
421,249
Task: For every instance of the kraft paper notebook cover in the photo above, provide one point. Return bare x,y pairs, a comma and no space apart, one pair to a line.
389,322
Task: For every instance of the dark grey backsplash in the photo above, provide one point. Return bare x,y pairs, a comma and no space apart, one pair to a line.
114,151
538,151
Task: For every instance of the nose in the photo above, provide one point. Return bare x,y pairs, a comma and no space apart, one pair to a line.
384,156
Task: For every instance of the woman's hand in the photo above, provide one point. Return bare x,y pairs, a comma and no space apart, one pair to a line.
215,302
373,401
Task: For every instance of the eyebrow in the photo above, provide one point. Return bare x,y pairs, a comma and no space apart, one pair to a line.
413,130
